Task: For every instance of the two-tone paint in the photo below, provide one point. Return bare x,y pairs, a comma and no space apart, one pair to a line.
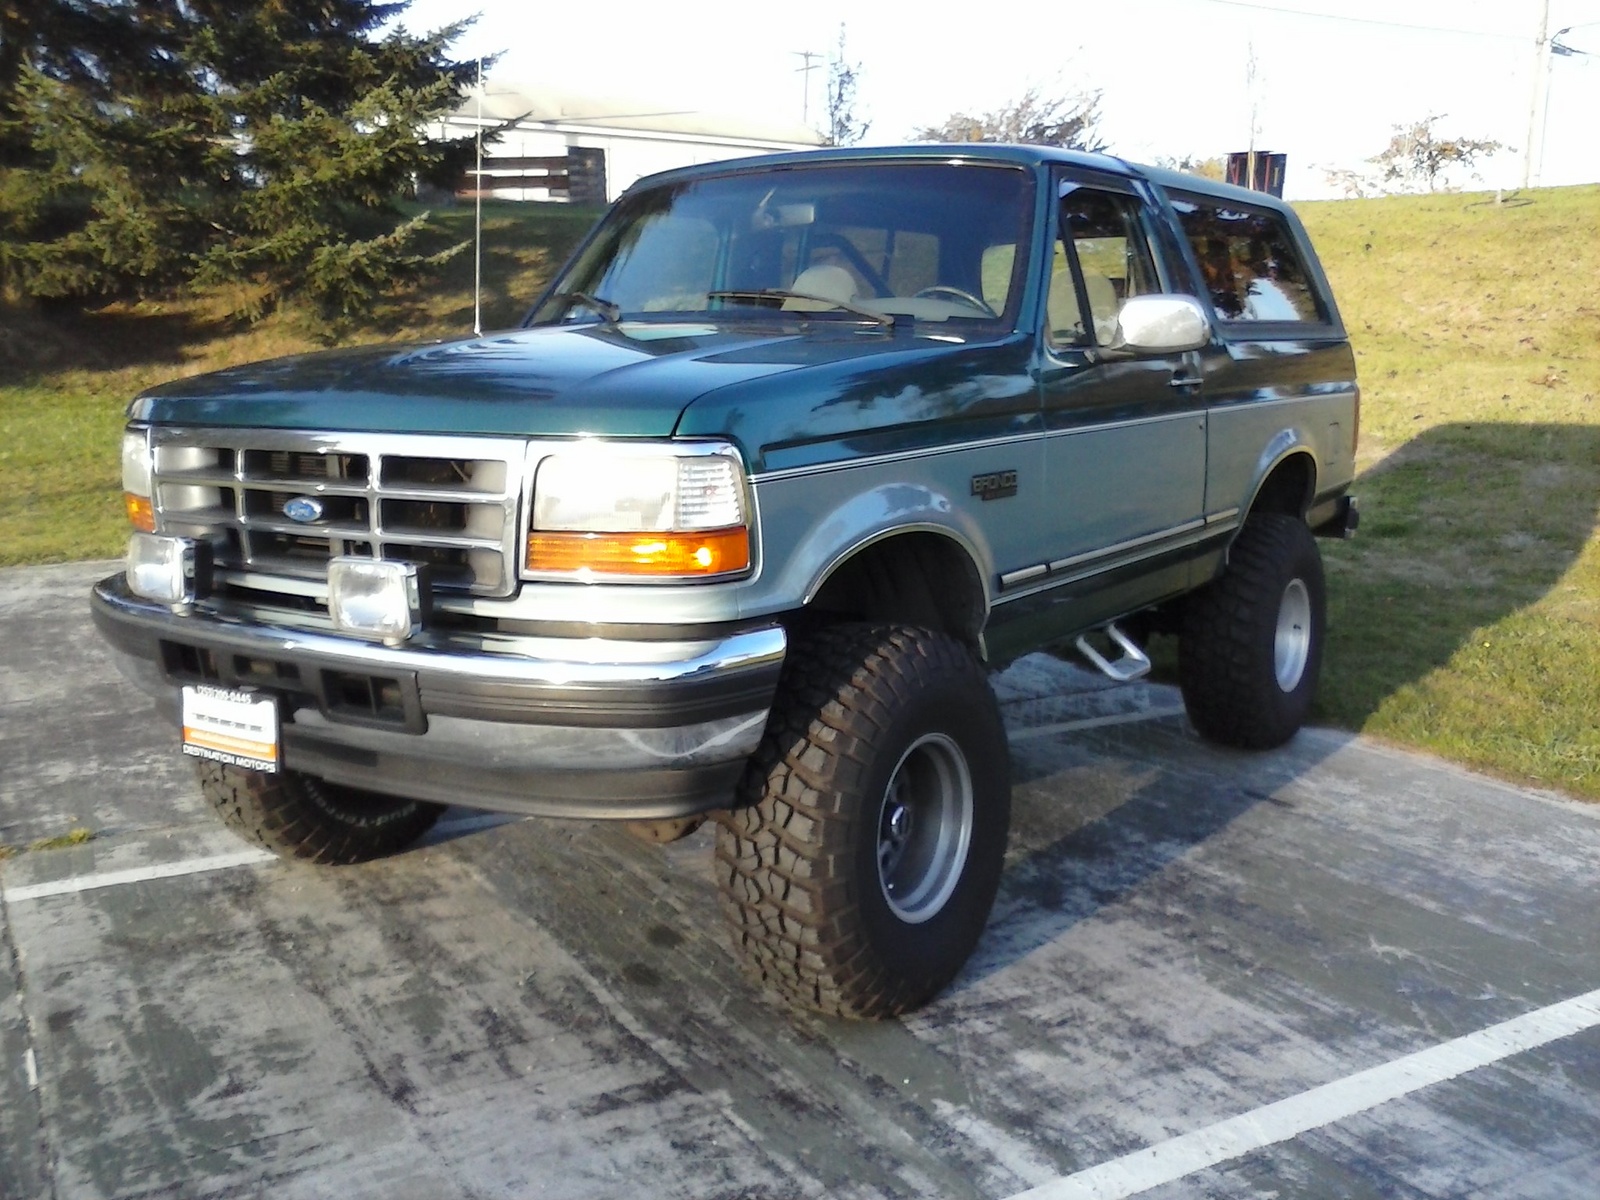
1132,473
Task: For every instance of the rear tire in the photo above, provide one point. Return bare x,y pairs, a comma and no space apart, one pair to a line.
859,870
1251,647
301,816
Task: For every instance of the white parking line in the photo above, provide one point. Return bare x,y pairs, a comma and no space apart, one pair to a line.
210,862
1128,718
1227,1140
105,879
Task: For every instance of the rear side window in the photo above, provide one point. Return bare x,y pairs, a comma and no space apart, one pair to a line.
1248,258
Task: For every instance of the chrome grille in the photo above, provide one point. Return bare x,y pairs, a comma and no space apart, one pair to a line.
449,503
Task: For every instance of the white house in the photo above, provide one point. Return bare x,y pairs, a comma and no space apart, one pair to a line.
549,151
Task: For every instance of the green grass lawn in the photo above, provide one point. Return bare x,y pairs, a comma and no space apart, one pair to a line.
64,385
1465,617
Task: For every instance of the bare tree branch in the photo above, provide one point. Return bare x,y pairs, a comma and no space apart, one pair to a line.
1416,157
844,128
1071,121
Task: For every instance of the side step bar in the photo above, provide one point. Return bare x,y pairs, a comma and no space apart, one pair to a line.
1134,663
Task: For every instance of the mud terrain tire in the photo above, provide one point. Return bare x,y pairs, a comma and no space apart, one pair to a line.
300,816
1251,645
860,865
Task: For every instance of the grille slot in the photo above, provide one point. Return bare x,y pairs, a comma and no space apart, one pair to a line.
291,466
448,503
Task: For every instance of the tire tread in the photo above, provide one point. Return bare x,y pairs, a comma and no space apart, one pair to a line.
1225,651
785,854
297,816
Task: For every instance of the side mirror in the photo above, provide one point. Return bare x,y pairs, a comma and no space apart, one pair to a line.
1161,325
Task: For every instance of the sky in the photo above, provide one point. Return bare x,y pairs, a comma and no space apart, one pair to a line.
1330,80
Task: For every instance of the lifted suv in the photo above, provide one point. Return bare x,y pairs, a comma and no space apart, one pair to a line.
791,452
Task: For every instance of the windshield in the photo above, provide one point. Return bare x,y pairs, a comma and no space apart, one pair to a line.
877,243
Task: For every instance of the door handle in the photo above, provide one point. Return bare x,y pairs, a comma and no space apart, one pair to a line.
1183,381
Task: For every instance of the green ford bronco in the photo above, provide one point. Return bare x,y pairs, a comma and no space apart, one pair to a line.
792,452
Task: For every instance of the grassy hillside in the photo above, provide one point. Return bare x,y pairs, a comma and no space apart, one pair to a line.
1465,617
1466,614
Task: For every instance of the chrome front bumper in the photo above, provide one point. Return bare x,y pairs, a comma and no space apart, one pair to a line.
574,727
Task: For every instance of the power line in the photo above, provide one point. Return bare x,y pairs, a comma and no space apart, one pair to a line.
1324,16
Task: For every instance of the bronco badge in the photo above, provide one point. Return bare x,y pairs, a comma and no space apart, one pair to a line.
996,485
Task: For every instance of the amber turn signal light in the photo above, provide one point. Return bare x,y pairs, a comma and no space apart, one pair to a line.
650,555
141,512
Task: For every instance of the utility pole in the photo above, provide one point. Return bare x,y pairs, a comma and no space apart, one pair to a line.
477,221
1250,72
1555,48
805,75
1541,91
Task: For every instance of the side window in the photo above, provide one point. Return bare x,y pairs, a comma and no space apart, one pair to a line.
1252,270
1103,243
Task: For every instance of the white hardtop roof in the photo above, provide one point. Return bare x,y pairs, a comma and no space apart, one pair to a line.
547,106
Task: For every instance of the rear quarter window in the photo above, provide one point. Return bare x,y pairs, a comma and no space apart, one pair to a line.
1251,266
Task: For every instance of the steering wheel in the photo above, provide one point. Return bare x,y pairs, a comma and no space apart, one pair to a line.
942,290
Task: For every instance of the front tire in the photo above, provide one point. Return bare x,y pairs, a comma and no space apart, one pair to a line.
1251,646
301,816
859,869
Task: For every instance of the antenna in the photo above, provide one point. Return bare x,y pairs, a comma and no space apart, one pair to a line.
805,74
477,222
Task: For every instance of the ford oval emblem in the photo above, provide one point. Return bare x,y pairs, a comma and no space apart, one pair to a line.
304,509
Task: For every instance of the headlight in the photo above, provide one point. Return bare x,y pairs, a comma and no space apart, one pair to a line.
659,513
136,482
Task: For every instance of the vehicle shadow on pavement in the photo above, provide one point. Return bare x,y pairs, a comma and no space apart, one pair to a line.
1098,820
1463,527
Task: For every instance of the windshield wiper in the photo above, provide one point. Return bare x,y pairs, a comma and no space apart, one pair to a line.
611,312
784,294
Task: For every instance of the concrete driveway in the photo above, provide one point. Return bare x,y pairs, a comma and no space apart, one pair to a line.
1338,970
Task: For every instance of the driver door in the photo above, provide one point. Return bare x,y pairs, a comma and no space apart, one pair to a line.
1125,433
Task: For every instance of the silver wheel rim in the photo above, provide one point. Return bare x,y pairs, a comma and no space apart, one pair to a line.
924,828
1292,644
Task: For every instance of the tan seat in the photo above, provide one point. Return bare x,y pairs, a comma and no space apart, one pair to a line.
1103,306
1066,323
1063,306
826,280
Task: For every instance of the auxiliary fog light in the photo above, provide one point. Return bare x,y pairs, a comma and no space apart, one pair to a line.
375,599
169,570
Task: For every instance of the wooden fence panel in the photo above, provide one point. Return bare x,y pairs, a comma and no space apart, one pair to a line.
578,176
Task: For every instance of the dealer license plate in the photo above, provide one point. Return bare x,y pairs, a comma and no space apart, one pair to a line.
238,728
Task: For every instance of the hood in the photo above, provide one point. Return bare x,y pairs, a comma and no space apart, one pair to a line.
633,380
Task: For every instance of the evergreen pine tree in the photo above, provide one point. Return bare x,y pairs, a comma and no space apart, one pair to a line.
151,142
76,174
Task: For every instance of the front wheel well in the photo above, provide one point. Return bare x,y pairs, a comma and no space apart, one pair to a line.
918,578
